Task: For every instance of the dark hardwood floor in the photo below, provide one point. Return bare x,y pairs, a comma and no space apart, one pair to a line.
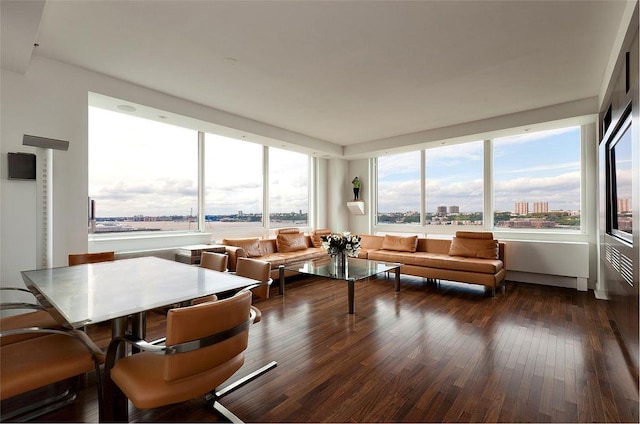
425,354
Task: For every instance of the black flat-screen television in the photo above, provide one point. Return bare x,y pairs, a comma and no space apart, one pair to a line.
22,166
619,180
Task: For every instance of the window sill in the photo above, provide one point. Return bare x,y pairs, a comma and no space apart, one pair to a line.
145,241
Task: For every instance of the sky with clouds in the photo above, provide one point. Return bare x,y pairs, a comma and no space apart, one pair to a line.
535,167
158,174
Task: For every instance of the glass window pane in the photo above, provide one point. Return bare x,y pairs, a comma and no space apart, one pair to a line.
288,188
537,180
454,184
142,174
399,189
233,182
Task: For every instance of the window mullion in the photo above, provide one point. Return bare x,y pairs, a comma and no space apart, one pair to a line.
201,182
488,203
266,221
423,188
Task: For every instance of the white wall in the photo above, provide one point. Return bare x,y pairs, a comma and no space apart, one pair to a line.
51,100
338,193
361,224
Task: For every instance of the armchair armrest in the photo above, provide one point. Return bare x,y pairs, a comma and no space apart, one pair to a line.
234,253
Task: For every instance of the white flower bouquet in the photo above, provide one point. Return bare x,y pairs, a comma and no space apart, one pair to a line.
346,242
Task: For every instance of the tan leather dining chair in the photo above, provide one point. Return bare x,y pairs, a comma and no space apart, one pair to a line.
91,258
34,356
204,347
214,261
256,270
32,315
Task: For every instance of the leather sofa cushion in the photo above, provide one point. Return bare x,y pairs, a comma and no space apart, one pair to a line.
439,261
292,230
250,245
484,235
400,243
316,236
474,248
291,242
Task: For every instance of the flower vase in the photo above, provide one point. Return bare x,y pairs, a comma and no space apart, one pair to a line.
340,261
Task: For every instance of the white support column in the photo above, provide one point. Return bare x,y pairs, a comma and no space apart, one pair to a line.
44,203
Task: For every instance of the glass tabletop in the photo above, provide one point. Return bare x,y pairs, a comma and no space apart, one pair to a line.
92,293
355,269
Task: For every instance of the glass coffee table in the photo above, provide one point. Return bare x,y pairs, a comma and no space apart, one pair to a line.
355,270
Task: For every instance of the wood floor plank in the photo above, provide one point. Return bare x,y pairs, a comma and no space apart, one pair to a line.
430,353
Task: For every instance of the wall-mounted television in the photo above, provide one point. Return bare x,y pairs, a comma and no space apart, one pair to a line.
22,166
619,176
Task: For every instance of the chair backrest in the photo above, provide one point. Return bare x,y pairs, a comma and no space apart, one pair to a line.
90,258
204,320
256,270
215,261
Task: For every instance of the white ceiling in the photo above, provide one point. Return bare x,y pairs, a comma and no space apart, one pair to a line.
346,72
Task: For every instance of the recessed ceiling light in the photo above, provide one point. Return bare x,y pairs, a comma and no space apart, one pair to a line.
162,117
230,60
126,108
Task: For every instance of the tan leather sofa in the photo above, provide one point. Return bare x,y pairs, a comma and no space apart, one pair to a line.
289,245
470,257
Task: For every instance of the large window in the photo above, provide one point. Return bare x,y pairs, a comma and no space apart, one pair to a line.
142,174
399,189
288,188
454,184
233,182
537,180
535,184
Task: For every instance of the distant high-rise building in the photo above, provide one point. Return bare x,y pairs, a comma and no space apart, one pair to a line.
454,209
441,210
623,205
240,213
521,208
540,207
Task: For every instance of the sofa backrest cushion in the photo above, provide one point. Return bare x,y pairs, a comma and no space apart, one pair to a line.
474,247
400,243
291,230
484,235
291,242
371,242
316,236
250,245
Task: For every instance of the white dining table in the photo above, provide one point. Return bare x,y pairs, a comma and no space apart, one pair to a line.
105,291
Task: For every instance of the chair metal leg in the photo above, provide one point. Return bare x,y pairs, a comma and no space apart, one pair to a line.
36,409
230,416
244,380
212,398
